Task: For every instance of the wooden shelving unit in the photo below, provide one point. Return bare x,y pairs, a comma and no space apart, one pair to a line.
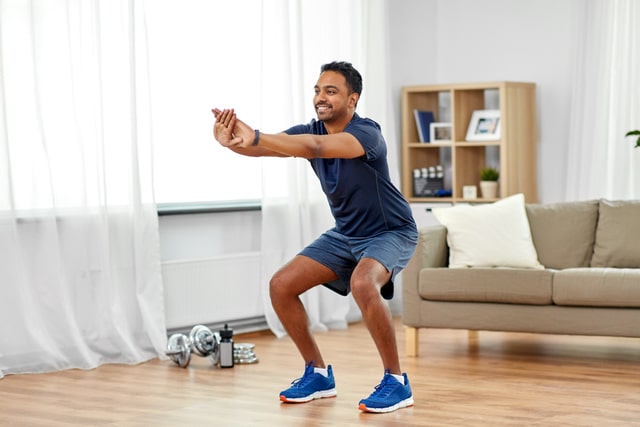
514,154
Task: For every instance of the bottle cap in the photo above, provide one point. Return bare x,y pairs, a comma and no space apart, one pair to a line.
226,332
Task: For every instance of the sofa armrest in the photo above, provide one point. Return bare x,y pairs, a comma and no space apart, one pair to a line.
432,251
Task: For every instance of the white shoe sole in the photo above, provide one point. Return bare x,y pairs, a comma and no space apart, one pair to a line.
402,404
317,395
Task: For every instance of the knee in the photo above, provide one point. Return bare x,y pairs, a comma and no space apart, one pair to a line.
278,288
363,291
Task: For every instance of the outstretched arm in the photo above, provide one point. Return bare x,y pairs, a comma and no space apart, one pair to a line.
237,136
227,130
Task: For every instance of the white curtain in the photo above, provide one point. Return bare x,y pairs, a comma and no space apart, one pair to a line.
297,38
79,250
606,103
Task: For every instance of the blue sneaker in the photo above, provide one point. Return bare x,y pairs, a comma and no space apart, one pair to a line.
311,386
389,395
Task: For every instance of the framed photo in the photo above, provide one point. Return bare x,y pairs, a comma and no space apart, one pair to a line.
440,132
469,192
484,126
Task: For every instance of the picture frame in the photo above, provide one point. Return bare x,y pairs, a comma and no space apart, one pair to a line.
485,125
469,192
440,132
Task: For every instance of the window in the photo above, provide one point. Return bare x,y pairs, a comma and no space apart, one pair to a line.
200,59
79,78
88,88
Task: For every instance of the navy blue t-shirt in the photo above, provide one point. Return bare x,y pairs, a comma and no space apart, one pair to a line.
362,198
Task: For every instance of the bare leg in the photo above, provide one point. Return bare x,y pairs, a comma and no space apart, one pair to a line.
286,286
368,278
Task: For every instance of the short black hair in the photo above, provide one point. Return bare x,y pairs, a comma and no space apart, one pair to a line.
351,75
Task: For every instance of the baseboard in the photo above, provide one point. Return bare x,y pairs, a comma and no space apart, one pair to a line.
239,326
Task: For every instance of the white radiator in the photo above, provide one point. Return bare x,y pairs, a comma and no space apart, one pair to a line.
213,290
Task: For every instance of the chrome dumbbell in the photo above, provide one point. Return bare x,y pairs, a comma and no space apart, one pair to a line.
205,343
179,349
201,341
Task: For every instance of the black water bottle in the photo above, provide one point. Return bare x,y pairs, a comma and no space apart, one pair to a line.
226,347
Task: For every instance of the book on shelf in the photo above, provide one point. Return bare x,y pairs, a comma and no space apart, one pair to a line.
423,123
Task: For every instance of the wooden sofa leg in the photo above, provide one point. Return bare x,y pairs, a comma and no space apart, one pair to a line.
412,341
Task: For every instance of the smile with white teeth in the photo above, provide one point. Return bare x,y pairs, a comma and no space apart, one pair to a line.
322,107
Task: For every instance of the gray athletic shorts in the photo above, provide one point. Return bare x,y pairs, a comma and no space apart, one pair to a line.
340,253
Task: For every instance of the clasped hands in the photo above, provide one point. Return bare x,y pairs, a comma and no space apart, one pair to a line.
229,131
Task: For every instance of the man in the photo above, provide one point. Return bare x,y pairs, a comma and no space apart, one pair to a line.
373,238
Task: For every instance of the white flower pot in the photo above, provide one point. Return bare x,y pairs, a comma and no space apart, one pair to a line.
489,189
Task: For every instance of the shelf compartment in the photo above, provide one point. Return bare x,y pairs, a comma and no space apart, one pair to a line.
469,162
514,154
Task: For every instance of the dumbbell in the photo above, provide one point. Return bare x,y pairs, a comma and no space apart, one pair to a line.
200,341
205,343
179,349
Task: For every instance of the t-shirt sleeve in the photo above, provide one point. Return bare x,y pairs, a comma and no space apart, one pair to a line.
368,134
298,129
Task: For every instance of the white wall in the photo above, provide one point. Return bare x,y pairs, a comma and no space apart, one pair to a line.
209,235
431,41
452,41
211,267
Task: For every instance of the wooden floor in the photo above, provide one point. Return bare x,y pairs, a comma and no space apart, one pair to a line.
493,379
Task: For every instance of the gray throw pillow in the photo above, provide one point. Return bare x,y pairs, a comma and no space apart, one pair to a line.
564,233
618,235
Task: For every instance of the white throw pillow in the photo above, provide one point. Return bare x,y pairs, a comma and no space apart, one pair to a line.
490,235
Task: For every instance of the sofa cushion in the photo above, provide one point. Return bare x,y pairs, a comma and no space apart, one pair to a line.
489,235
499,285
564,233
617,235
597,287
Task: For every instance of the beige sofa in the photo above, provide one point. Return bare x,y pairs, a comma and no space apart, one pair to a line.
590,283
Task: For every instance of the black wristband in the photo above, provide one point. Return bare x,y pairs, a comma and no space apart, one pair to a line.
257,138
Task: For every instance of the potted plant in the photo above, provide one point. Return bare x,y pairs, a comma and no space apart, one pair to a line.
635,133
489,182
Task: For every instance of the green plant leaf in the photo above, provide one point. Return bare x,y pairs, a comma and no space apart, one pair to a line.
489,174
633,133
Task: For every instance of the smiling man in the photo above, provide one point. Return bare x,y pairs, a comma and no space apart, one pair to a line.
373,238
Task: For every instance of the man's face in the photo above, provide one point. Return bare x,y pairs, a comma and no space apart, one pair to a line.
333,99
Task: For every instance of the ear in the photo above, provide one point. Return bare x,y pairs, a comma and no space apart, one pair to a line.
353,99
